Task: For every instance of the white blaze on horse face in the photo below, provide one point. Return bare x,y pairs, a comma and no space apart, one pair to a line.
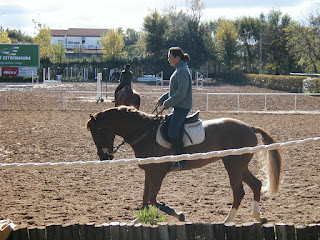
231,215
256,210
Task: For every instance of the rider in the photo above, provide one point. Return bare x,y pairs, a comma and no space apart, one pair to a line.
126,78
179,96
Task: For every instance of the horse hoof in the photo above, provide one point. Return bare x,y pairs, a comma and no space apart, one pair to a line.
181,217
263,221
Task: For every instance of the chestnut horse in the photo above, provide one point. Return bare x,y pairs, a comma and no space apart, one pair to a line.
139,129
128,97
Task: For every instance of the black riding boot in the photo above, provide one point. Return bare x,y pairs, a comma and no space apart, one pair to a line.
178,149
177,146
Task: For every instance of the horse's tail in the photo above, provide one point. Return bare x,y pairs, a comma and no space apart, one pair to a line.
273,163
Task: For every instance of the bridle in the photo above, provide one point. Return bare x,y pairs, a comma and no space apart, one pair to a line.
138,139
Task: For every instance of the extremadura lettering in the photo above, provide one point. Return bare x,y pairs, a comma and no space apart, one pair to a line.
21,58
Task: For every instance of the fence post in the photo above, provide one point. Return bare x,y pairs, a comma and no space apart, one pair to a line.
137,231
67,232
248,231
239,231
98,232
219,230
265,103
145,232
82,231
181,231
106,231
230,231
163,231
130,227
90,231
258,230
5,99
172,228
153,233
313,232
302,232
64,101
114,230
208,231
281,231
50,232
190,231
268,229
123,230
198,230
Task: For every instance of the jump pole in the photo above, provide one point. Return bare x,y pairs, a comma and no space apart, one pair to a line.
99,87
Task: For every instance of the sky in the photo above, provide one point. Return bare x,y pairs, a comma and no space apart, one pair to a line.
63,14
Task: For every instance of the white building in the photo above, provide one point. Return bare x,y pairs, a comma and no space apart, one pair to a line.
79,40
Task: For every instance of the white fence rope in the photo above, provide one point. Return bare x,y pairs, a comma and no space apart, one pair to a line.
171,158
65,98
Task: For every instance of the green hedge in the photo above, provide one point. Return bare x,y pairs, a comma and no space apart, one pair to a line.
286,83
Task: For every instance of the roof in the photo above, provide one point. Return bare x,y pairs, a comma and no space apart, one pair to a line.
80,32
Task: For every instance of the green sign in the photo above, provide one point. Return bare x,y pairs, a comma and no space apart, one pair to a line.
19,55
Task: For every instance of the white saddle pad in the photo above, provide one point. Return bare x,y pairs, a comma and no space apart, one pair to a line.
195,131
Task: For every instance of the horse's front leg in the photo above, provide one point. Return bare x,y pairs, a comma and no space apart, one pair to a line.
154,175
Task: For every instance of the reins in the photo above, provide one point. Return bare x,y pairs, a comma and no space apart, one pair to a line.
158,113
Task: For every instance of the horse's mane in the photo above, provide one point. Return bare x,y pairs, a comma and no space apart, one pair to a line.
116,112
129,110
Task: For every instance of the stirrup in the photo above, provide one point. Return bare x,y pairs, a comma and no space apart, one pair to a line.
180,165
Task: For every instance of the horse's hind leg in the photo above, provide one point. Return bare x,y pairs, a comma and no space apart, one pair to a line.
255,185
235,166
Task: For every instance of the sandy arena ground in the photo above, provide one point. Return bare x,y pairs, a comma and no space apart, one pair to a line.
35,129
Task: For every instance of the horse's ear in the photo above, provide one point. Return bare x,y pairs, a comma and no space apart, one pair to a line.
92,117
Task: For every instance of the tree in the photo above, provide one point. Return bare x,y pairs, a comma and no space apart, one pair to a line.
59,53
43,38
249,35
131,37
112,44
304,45
277,57
186,31
138,49
155,27
196,33
227,45
17,36
195,9
4,38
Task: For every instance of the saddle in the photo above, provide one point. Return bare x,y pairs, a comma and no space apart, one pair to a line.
191,132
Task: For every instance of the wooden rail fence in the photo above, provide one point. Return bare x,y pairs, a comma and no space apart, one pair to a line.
164,231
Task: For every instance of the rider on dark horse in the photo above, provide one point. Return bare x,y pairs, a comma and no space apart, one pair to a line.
179,96
126,78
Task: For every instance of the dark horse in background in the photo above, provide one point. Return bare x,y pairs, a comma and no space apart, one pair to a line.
127,96
139,130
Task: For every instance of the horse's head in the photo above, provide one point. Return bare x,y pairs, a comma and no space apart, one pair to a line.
103,137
